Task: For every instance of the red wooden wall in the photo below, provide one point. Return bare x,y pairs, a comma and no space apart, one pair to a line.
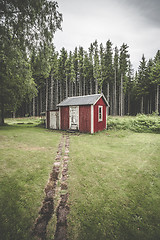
85,119
99,126
64,118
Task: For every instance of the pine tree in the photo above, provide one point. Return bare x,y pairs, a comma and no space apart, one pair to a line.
96,67
91,50
115,65
102,66
62,73
80,70
129,86
155,78
70,74
142,83
150,95
108,73
123,66
75,62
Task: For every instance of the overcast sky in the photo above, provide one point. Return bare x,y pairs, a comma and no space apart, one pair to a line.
134,22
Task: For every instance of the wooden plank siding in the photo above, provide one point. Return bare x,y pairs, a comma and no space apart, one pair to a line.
64,118
85,119
99,126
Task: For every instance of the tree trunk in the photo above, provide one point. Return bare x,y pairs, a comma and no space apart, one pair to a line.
90,86
108,92
41,101
57,93
60,92
66,87
79,93
108,97
119,110
121,100
157,99
115,95
96,86
14,114
52,82
34,106
142,105
76,87
150,105
72,88
84,86
37,105
46,94
30,109
2,112
128,104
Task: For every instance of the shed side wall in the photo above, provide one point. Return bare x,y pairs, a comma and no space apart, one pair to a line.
99,126
64,118
85,119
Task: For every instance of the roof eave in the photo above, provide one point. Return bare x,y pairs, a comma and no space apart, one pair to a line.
102,95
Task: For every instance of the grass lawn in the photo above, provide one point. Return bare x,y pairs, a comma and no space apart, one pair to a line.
113,184
27,154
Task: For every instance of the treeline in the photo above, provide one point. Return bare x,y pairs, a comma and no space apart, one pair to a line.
25,29
100,69
34,77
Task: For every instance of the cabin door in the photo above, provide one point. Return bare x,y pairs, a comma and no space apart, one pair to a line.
74,117
54,120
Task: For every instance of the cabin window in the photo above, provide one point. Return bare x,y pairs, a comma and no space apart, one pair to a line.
100,113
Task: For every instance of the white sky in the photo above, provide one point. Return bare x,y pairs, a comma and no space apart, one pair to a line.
134,22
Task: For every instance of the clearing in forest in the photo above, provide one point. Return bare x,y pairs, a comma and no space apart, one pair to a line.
113,183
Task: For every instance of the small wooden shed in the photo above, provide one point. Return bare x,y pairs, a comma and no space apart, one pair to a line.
83,113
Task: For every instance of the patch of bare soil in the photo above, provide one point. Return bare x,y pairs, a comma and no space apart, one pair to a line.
29,148
59,173
62,212
63,208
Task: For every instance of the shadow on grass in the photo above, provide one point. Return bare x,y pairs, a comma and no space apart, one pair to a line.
14,219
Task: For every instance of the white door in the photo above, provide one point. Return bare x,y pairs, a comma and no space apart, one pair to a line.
53,120
74,117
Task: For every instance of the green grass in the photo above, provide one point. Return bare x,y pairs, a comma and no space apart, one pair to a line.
26,159
114,186
26,121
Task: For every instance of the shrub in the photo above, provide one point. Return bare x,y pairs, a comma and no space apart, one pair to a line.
140,123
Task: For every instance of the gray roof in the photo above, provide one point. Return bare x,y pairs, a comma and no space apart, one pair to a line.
82,100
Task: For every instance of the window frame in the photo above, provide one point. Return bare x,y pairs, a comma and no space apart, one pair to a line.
100,113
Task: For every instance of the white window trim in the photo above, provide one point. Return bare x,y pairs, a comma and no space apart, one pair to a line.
59,117
100,119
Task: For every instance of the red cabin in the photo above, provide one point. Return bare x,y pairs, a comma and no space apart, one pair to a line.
86,114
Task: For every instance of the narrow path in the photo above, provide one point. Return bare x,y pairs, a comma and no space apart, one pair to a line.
59,173
63,208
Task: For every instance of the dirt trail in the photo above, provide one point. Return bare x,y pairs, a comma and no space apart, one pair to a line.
48,208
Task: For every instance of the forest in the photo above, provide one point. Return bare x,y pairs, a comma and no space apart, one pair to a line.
101,69
35,77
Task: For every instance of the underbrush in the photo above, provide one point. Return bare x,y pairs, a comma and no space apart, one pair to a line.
140,123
